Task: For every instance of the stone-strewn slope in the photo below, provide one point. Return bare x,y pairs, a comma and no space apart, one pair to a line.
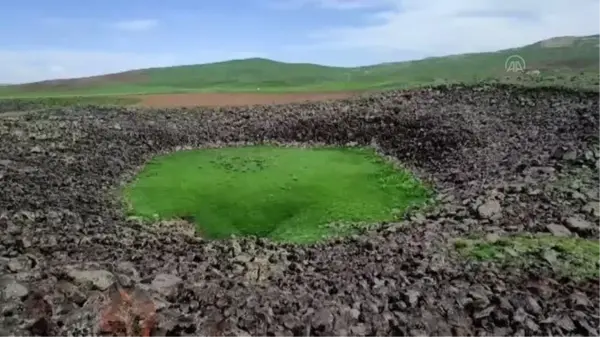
495,154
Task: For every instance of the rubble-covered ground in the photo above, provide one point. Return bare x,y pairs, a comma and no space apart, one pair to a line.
503,160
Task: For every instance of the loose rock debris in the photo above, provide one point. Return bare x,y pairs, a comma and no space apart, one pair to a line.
495,155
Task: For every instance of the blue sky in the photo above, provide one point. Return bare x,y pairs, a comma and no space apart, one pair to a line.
43,39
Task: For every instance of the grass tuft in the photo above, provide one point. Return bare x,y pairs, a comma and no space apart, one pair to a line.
570,257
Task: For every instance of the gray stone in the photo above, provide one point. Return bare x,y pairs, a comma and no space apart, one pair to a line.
578,196
165,284
323,319
579,300
593,194
71,292
128,269
492,237
578,224
551,256
11,289
491,209
36,149
18,264
359,329
412,297
234,331
570,156
533,306
6,162
592,208
558,230
589,155
100,279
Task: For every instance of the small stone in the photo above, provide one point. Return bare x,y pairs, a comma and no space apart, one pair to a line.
71,292
480,299
551,256
579,300
492,237
11,289
237,332
532,326
566,323
546,169
36,149
100,279
359,330
418,219
290,321
590,330
589,155
323,319
412,297
570,156
484,313
516,187
417,333
578,196
24,242
578,224
128,268
491,209
533,306
16,265
558,230
519,315
165,284
593,194
592,208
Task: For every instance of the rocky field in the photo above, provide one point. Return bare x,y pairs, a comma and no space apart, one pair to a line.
502,159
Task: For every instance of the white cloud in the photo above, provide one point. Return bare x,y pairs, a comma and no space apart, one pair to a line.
18,66
140,25
441,27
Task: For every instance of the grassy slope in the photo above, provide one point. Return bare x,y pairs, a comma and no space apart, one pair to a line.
281,193
559,57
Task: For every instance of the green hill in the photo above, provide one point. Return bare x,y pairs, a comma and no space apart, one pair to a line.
556,59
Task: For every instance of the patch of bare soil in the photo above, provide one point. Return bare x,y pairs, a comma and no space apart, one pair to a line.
235,99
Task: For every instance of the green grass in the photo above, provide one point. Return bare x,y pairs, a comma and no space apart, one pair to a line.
568,257
286,194
579,58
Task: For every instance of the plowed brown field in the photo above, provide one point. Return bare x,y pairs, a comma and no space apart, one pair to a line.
234,99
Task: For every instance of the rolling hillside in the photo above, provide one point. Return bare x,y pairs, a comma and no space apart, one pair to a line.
560,57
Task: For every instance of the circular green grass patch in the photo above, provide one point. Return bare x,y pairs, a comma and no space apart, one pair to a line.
287,194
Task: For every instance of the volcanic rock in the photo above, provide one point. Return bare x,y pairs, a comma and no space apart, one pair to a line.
492,150
558,230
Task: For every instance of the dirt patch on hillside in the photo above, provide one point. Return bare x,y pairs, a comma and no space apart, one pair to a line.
235,99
